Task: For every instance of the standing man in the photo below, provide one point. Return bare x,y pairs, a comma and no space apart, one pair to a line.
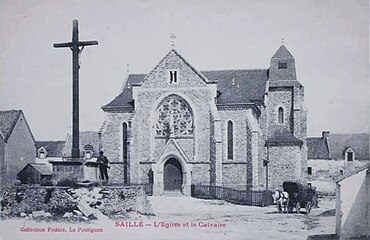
103,166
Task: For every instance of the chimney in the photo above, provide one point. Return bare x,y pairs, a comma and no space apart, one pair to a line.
325,135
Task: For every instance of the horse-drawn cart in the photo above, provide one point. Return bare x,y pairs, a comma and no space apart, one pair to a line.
300,196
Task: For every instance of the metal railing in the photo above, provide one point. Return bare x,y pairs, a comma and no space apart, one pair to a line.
252,197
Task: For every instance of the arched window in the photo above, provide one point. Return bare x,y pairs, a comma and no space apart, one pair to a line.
124,140
230,140
124,152
42,153
174,117
349,154
280,115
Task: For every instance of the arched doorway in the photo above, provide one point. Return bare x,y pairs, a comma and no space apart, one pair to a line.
172,175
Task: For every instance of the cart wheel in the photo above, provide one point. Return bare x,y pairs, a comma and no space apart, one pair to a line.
308,208
290,209
298,207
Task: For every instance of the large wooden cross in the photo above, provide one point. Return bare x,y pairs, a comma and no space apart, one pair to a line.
76,50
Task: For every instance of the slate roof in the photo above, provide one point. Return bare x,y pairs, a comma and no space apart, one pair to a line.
53,148
282,52
338,143
317,148
280,135
86,138
40,167
235,86
8,119
239,86
350,174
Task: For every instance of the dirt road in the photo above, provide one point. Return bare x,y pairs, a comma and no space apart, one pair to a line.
184,218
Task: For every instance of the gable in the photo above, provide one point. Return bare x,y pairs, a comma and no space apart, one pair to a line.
186,75
8,120
172,147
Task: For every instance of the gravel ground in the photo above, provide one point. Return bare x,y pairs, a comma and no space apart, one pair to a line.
186,218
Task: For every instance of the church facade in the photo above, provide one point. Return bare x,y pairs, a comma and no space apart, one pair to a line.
177,126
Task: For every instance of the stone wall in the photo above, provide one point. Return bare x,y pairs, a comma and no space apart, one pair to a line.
234,176
284,165
280,97
201,174
58,201
239,120
116,172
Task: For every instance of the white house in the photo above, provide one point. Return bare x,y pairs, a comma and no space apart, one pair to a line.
353,204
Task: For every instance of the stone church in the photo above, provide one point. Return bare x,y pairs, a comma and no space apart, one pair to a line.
177,126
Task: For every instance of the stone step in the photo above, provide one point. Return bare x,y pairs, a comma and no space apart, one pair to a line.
173,193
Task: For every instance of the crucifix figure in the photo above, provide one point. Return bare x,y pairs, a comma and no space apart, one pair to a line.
76,51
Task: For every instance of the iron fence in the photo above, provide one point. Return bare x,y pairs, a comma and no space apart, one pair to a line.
251,197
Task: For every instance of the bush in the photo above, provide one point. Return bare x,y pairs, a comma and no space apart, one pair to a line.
67,182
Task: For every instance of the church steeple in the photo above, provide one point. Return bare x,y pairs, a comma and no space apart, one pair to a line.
282,65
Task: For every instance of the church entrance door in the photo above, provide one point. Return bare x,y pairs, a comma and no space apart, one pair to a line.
172,175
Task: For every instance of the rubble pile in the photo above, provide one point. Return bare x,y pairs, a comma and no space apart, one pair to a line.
80,204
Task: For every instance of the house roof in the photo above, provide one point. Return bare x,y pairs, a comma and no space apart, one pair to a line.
53,148
42,168
317,148
282,52
235,86
341,178
86,138
280,135
8,120
338,143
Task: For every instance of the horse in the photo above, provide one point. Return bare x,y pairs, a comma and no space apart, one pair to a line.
281,199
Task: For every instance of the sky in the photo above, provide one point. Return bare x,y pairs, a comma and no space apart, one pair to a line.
328,38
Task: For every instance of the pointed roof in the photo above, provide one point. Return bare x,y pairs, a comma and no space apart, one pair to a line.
280,135
8,120
174,144
282,52
42,168
173,51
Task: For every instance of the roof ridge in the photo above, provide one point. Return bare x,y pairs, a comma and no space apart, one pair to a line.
183,59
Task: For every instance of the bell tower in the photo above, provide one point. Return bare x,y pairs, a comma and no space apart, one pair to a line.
286,121
282,65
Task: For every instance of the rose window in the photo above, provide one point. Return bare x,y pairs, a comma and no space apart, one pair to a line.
174,118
